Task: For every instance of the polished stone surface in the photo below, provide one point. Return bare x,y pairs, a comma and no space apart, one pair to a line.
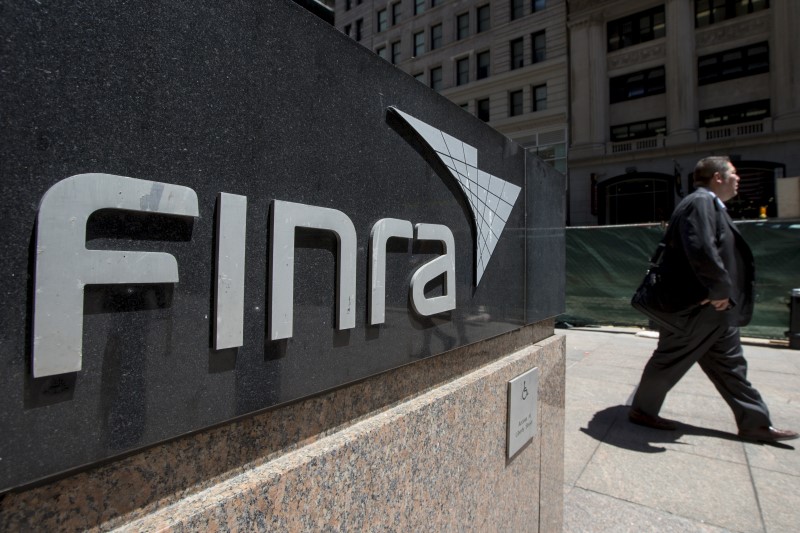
422,446
259,99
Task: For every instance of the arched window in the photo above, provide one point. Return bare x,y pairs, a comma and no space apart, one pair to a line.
634,198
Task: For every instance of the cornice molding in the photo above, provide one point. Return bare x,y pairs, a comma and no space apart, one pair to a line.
528,75
637,56
577,23
576,6
725,33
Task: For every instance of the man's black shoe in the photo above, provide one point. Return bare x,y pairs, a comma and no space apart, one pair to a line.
656,422
767,434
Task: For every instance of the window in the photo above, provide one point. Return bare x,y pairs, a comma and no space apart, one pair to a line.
639,130
735,114
637,85
732,64
462,71
396,13
555,154
540,98
464,106
483,109
419,6
359,28
348,29
517,54
514,103
538,5
462,26
420,77
383,22
347,5
634,29
517,9
483,65
419,43
381,51
435,3
707,12
539,41
436,78
484,18
395,52
436,36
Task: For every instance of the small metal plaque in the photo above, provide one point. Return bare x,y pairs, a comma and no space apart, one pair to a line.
522,396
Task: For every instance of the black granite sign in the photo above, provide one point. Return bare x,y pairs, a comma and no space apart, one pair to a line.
213,209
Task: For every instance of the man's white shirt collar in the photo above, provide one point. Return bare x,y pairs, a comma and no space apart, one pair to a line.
720,203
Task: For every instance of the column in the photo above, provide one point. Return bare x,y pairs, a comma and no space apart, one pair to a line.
589,87
784,50
681,73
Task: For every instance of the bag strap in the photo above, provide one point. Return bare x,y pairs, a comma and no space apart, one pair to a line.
658,256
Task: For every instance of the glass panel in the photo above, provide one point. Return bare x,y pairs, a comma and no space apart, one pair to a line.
517,60
483,65
517,9
462,69
462,23
436,78
539,46
382,20
702,12
419,43
515,103
436,36
483,109
484,18
659,27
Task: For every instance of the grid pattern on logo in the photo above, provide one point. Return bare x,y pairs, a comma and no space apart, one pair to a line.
490,198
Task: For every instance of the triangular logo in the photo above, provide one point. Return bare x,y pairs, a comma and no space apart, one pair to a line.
490,198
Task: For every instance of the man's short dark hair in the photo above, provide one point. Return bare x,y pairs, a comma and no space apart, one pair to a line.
705,169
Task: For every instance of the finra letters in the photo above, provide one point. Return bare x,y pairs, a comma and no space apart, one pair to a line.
64,266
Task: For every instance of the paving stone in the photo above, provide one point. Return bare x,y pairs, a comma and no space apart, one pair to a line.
779,496
588,512
687,485
622,477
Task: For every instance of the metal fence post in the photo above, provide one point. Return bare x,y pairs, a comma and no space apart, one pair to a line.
794,320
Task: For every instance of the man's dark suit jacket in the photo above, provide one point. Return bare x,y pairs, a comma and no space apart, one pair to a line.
707,258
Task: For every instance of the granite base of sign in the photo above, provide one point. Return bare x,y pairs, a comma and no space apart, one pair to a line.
419,447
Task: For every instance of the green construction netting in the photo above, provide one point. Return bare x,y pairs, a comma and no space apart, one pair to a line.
606,263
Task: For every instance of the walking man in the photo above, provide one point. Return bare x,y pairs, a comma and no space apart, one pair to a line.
710,267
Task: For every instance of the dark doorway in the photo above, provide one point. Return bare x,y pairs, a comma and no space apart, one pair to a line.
756,189
637,197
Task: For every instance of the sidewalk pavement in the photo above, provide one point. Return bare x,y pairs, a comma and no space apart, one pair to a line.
625,478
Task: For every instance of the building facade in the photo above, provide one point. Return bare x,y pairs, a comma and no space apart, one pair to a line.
505,61
656,85
623,96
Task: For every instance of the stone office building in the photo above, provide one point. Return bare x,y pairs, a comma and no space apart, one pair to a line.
657,85
503,60
646,88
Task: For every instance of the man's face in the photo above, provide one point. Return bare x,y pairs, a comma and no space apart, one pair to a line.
728,185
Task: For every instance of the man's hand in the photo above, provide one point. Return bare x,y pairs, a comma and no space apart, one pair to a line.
719,305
